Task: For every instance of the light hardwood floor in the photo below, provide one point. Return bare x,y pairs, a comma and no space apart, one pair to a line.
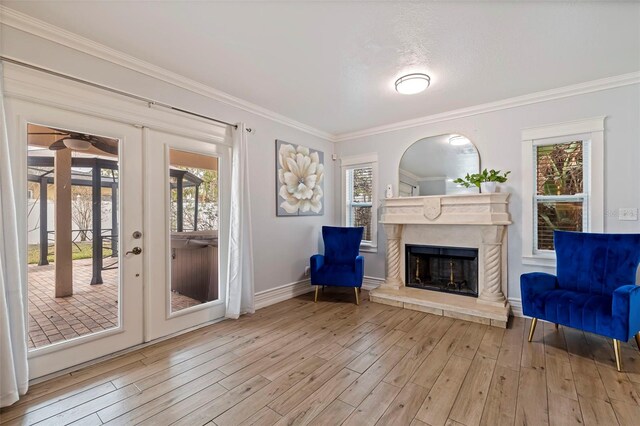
333,363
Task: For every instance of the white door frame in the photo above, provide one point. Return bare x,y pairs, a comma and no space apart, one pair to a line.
22,84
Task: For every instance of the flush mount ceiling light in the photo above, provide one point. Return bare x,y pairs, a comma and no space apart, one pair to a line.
77,144
458,140
411,84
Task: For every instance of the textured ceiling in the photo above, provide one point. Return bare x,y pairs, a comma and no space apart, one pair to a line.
332,65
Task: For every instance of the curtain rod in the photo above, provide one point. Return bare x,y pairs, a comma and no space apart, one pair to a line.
150,102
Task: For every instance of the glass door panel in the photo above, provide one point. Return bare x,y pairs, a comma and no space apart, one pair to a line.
193,197
188,180
84,296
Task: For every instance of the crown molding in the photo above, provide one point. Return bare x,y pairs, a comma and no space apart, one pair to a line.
44,30
532,98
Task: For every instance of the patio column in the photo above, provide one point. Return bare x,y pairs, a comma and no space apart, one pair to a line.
179,206
114,220
195,210
44,225
63,244
96,224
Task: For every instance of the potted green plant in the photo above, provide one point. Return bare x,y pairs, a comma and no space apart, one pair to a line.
485,180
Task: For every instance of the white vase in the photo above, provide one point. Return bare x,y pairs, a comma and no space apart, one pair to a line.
487,187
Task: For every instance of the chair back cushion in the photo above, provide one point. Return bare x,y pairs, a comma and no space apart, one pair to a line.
596,263
341,245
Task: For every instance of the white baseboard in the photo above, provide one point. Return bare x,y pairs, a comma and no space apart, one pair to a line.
291,290
282,293
516,307
369,283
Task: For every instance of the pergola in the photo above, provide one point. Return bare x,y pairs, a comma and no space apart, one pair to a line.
41,170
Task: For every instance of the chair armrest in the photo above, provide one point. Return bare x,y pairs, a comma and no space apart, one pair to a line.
359,270
626,310
317,260
532,285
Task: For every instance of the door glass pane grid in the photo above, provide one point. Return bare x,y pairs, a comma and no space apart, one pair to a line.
194,222
72,217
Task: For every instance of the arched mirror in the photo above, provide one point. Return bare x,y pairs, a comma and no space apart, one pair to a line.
430,165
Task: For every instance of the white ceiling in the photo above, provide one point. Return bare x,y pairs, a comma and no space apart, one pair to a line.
332,65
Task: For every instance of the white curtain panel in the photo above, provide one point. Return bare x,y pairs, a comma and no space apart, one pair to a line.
14,374
240,291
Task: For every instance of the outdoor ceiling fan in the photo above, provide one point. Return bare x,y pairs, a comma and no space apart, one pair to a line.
79,141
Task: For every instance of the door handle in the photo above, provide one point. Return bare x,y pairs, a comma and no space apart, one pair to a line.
135,250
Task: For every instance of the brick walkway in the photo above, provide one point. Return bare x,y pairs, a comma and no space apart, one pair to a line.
92,308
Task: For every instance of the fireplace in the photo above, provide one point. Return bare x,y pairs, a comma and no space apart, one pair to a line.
447,269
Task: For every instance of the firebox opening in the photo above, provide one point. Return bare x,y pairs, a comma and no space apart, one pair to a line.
447,269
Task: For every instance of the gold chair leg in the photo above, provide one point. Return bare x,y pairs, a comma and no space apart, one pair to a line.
316,298
616,350
638,340
534,321
357,298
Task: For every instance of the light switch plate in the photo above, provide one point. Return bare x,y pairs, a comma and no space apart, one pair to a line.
628,214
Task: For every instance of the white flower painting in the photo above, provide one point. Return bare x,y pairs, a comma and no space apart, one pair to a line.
299,180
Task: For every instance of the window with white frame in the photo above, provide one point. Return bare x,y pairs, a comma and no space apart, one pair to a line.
359,183
562,184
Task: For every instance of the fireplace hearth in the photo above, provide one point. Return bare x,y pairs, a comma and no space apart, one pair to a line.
447,269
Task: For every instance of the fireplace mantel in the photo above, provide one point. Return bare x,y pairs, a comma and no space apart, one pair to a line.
469,220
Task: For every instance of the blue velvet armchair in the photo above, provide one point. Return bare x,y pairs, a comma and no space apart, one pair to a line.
594,289
341,265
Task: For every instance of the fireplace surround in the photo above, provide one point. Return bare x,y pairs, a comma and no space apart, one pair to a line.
470,221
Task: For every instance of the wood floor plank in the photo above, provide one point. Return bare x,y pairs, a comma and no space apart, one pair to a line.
335,414
533,354
437,406
332,362
265,417
471,399
564,411
500,407
627,414
586,377
404,406
214,408
373,406
159,397
375,351
420,350
491,342
361,387
427,373
511,349
532,407
471,341
596,412
178,410
315,403
306,387
256,402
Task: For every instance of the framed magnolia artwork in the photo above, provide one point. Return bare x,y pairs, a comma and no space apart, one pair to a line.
299,180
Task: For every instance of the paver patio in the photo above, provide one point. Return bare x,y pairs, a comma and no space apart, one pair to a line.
91,308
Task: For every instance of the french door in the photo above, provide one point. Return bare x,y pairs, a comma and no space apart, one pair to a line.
122,232
188,183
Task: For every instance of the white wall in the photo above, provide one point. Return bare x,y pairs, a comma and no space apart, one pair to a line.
282,245
497,135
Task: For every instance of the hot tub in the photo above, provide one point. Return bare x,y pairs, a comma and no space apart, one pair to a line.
194,264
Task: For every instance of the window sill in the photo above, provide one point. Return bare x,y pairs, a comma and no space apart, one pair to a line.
533,260
368,248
